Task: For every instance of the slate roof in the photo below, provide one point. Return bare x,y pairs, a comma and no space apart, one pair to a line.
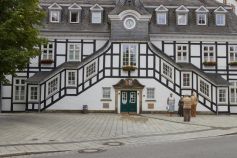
212,3
71,65
122,5
192,27
85,25
217,79
36,78
41,76
214,77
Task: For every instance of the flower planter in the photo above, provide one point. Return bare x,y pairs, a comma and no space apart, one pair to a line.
129,68
209,63
46,61
233,63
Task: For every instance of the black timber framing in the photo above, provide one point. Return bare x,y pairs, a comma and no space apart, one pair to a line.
111,75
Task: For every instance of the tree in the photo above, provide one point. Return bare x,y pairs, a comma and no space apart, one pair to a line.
19,34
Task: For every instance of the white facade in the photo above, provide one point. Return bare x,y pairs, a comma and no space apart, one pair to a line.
77,69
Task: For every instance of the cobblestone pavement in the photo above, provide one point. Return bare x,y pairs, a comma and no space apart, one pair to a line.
32,133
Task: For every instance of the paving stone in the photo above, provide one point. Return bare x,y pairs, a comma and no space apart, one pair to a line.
40,132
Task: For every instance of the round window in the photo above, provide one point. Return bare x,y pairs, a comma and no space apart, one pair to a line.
129,23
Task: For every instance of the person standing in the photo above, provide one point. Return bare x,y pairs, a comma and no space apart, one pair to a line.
171,104
181,104
194,105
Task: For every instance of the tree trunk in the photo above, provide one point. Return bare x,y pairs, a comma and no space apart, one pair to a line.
0,97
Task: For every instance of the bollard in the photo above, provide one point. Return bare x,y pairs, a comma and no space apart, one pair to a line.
85,109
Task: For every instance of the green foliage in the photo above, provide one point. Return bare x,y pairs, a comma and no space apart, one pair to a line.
19,34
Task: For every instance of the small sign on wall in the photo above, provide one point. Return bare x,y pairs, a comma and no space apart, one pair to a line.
106,105
151,105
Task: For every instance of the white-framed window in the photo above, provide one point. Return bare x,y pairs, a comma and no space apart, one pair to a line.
74,16
233,53
161,18
204,88
161,15
74,52
167,71
96,17
55,16
19,89
129,54
220,19
71,77
182,19
47,51
233,92
222,95
208,53
150,93
201,15
186,79
182,53
91,69
74,13
96,14
53,86
202,19
106,93
33,93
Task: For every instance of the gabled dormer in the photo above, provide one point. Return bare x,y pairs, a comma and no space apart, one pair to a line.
182,15
220,16
96,14
129,21
161,15
55,13
201,15
74,13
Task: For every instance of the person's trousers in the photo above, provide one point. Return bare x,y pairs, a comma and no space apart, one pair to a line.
187,115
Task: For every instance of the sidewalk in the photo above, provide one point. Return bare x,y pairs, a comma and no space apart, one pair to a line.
30,133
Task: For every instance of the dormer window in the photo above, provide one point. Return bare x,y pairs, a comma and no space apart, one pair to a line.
55,13
201,15
161,15
220,16
182,19
96,14
182,15
55,16
74,13
220,19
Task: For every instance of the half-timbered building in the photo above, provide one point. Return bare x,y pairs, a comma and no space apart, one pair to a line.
128,56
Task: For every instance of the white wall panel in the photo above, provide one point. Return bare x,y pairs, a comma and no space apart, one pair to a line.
61,48
88,49
221,50
195,50
169,49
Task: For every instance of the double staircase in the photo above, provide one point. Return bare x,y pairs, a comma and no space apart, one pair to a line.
106,52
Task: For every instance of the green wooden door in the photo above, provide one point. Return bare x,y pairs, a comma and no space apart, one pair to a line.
128,101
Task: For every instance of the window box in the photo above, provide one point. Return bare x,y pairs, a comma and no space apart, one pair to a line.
129,68
209,63
234,63
46,61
